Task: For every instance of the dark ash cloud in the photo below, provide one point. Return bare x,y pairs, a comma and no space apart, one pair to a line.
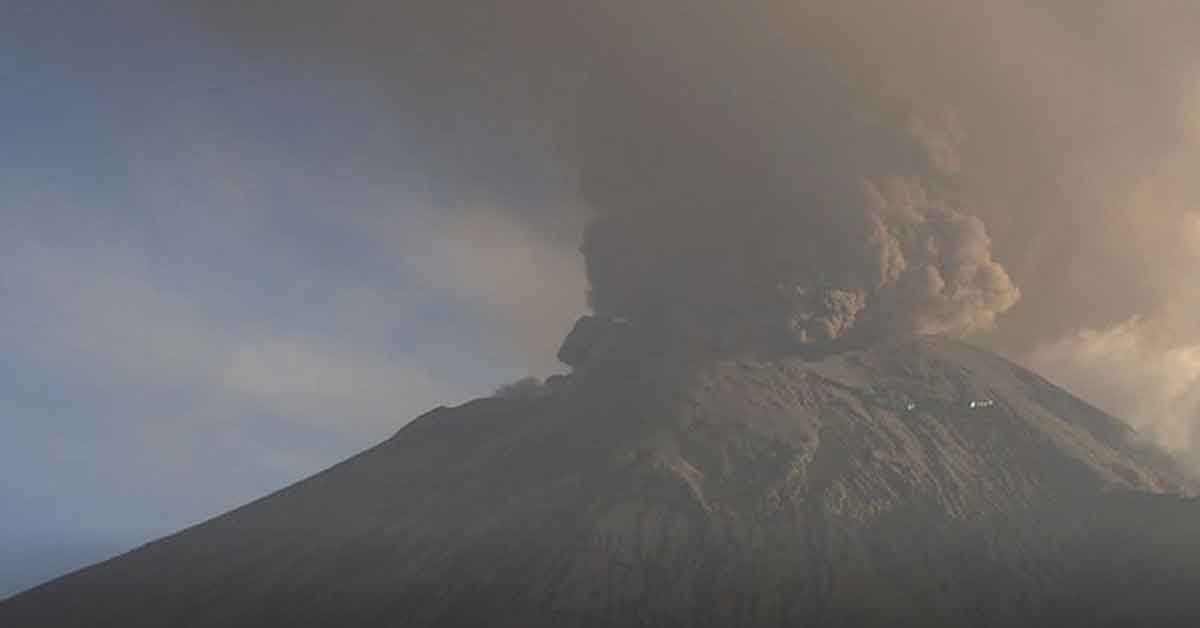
888,260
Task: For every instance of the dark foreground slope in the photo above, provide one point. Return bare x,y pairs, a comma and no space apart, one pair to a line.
860,489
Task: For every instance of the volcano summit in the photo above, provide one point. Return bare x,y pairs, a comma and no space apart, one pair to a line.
916,482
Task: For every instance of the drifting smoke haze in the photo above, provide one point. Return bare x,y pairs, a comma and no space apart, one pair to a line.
814,172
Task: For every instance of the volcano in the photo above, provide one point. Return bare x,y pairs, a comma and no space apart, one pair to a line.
918,482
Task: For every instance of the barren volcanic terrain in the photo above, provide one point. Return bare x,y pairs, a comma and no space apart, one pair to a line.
920,482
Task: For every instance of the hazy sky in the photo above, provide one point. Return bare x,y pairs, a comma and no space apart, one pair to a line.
239,244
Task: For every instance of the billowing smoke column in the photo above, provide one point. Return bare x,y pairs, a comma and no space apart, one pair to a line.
749,198
936,272
898,263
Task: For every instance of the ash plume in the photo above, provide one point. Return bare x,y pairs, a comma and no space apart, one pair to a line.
727,153
888,260
1066,129
748,198
752,181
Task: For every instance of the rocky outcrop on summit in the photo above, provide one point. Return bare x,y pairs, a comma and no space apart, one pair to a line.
920,482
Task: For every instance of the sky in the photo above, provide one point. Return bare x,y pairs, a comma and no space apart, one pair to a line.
242,241
219,276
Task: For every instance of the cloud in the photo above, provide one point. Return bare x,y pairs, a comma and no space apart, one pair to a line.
1191,232
529,285
535,287
1132,370
1145,369
200,372
326,385
940,138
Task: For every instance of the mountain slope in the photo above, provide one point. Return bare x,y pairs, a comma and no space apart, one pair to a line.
858,489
